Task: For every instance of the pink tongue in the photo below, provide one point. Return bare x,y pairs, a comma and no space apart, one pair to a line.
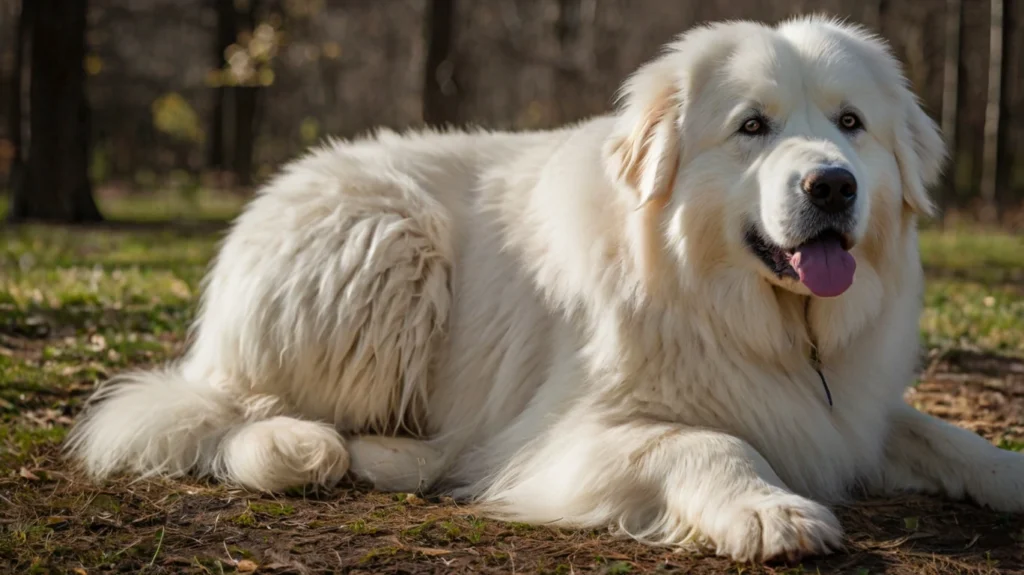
824,266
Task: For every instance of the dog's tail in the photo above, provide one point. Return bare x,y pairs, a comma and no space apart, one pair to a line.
162,423
152,423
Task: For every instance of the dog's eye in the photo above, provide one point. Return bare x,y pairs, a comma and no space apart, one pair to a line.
754,127
850,122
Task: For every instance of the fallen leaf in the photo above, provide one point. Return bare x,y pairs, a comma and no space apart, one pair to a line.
245,566
25,473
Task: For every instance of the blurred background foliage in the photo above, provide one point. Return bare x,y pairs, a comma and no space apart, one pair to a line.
215,94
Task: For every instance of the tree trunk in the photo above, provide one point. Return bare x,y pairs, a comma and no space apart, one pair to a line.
227,34
440,97
993,108
873,12
15,118
246,108
246,102
56,187
567,26
1008,116
950,98
575,57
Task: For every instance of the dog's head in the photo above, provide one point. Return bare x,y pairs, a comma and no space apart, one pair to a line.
796,152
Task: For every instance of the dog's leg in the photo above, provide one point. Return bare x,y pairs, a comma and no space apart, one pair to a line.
663,483
929,455
395,463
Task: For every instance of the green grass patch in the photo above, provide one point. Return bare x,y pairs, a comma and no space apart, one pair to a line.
619,568
179,204
255,510
977,255
419,531
18,442
974,315
475,531
377,554
245,519
361,527
452,531
974,296
1011,445
271,509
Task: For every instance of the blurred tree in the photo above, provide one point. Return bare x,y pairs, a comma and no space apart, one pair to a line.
14,116
56,185
244,50
226,35
440,98
950,97
1008,115
245,96
993,108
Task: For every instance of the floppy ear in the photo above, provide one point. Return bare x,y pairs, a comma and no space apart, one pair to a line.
920,153
919,147
642,153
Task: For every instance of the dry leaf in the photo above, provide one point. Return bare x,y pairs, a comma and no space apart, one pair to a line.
25,473
245,566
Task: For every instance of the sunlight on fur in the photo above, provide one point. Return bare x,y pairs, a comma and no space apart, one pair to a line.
610,324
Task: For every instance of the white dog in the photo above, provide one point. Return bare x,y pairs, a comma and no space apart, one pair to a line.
692,320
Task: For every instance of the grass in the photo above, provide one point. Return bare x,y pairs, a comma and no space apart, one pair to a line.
80,304
981,256
973,315
975,294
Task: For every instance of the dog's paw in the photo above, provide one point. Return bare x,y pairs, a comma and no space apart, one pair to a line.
775,525
999,483
281,453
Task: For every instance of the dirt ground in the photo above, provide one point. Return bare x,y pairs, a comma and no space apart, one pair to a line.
55,522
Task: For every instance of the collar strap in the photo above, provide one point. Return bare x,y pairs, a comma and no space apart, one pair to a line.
815,358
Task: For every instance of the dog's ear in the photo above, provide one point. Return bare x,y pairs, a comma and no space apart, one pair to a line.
642,153
920,152
919,148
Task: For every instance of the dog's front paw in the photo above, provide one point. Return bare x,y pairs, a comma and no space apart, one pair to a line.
999,483
776,525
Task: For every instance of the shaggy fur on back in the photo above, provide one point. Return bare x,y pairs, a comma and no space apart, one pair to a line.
585,326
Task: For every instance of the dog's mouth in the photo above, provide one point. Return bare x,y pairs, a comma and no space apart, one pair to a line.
823,263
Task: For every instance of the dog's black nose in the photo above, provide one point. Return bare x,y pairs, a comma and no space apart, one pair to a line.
831,189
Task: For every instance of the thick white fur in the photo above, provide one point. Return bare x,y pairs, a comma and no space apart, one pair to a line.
567,327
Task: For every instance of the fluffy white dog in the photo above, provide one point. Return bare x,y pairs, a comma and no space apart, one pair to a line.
692,320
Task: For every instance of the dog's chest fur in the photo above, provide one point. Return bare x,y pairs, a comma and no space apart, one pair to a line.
699,373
